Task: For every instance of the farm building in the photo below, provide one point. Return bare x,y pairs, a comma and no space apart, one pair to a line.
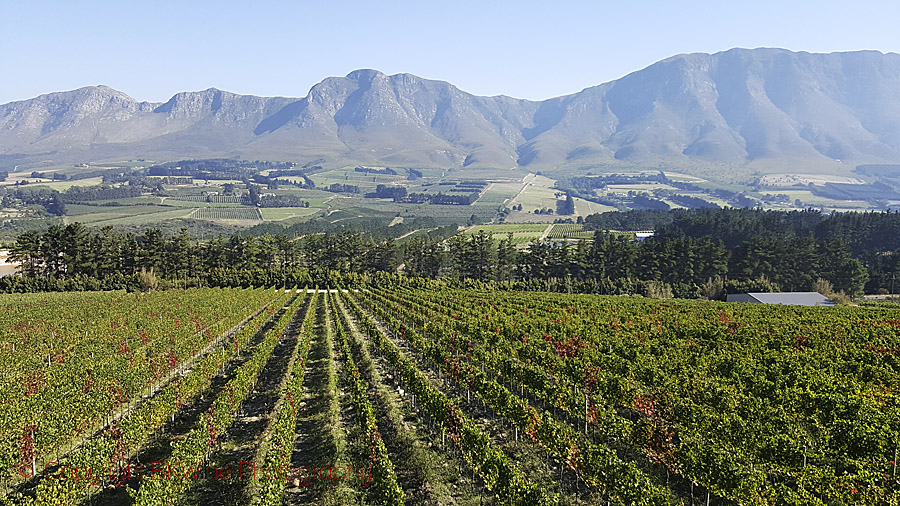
789,298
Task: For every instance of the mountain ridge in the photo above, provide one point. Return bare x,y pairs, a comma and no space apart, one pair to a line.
741,106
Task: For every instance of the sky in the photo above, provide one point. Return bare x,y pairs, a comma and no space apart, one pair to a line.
151,50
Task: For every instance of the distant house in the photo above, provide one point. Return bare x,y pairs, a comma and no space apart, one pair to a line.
789,298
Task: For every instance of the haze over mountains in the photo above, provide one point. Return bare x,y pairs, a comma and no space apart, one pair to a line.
766,106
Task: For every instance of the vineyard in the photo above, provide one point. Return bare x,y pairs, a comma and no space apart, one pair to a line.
521,233
213,199
226,213
569,231
413,396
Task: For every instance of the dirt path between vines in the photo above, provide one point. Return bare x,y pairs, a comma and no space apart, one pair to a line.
175,430
241,441
428,473
318,443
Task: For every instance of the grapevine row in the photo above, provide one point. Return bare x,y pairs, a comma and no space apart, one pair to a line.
189,455
497,472
112,447
279,445
598,465
98,364
384,477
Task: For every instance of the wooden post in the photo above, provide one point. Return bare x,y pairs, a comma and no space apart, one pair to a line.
587,414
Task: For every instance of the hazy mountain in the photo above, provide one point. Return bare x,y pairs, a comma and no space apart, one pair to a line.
738,106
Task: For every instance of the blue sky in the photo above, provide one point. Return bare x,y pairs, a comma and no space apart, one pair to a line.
151,50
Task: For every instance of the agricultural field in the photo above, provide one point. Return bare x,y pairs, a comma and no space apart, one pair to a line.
366,181
638,187
503,191
789,180
397,395
499,194
809,198
586,207
50,184
226,213
537,193
81,368
125,215
522,233
569,231
285,213
316,198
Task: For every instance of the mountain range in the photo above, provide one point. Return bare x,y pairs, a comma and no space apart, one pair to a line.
742,106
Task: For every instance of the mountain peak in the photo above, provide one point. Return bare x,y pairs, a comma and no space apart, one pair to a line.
365,74
735,107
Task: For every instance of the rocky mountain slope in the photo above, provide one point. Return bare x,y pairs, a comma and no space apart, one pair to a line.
736,107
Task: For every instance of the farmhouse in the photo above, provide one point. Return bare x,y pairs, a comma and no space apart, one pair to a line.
789,298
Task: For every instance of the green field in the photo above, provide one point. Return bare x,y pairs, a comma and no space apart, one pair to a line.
506,228
586,207
169,201
709,389
497,202
521,233
569,231
90,213
129,215
60,186
538,193
499,194
284,213
365,181
227,213
809,198
639,187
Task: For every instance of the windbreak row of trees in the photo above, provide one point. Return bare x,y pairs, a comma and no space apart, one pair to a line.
872,238
74,250
687,264
866,233
681,266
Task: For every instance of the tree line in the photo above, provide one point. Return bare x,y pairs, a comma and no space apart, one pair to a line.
691,256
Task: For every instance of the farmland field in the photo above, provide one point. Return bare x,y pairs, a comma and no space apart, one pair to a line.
499,194
569,231
585,207
442,396
283,213
365,181
537,193
58,185
126,215
227,213
810,198
522,233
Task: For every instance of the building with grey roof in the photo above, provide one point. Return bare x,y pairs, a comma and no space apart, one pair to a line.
789,298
